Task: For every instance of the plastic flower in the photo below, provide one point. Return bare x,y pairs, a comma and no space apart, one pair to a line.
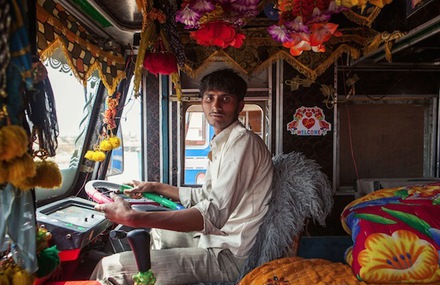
303,25
218,34
300,42
188,17
202,6
297,26
321,33
216,22
401,256
279,33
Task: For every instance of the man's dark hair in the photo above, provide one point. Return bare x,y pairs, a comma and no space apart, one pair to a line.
225,80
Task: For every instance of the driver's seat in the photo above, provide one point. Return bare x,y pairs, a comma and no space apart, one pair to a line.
300,192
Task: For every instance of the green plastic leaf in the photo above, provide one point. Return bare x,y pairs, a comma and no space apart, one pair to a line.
375,218
402,193
411,220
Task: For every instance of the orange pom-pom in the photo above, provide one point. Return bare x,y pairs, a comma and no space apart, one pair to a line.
14,141
4,171
48,174
20,168
25,184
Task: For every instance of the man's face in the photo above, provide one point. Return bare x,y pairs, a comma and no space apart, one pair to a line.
221,109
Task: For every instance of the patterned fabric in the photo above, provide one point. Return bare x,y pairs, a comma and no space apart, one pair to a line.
5,23
396,235
57,29
260,51
299,271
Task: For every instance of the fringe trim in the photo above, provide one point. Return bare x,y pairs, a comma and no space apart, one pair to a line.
362,20
280,55
96,52
218,55
301,68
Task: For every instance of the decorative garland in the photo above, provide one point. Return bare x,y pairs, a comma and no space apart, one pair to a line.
107,140
160,48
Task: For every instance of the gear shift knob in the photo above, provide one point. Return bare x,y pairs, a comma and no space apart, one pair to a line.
139,240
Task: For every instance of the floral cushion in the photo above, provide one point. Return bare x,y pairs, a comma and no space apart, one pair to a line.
396,235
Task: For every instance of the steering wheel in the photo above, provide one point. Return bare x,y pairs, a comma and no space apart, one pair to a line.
99,191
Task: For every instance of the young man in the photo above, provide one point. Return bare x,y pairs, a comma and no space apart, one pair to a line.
210,239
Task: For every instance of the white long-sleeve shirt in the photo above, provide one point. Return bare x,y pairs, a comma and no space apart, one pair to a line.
233,199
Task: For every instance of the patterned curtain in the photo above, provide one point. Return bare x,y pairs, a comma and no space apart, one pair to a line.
59,31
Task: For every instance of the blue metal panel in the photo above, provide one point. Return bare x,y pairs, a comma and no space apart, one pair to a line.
164,131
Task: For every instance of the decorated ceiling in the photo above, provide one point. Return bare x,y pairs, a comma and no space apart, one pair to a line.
248,34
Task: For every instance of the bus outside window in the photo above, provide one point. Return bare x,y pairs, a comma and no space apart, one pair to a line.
198,134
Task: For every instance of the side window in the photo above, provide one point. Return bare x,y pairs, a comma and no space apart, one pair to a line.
126,161
73,103
198,134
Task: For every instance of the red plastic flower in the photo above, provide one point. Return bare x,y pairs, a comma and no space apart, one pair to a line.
218,34
304,26
160,62
321,33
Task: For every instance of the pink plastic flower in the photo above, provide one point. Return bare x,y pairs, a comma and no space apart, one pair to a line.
202,6
279,33
188,17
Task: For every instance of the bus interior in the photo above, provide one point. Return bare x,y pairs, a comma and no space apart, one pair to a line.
358,95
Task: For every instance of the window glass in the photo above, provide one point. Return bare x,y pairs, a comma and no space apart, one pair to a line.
198,134
125,164
73,107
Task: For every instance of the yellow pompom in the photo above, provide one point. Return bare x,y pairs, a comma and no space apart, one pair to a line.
115,142
89,154
4,172
98,155
48,174
105,145
25,184
21,168
4,280
22,277
14,141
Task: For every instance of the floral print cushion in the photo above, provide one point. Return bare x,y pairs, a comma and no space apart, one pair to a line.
396,235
